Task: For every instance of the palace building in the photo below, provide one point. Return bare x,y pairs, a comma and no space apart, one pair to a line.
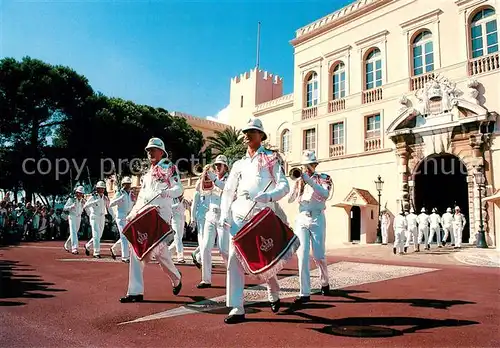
404,90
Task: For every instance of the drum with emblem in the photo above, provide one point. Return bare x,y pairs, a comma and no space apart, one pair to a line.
265,244
146,230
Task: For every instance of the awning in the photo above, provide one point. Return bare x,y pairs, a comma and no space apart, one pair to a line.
357,197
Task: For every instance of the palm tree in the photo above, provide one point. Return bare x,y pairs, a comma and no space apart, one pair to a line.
228,142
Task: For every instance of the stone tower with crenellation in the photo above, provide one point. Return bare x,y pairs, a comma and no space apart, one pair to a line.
250,89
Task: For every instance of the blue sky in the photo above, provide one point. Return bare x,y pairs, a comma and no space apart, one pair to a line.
179,55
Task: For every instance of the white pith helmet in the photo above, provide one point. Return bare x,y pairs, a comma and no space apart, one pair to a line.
156,143
255,123
309,157
126,180
100,184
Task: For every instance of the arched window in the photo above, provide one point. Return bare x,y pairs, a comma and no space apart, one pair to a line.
312,90
373,69
484,33
423,53
285,141
338,82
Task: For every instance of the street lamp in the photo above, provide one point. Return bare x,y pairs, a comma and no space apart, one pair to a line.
379,184
481,237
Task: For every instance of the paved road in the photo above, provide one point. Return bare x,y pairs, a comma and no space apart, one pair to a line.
49,298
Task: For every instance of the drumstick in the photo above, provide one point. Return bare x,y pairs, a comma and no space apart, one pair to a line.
254,203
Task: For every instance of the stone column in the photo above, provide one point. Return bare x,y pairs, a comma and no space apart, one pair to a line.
476,142
402,153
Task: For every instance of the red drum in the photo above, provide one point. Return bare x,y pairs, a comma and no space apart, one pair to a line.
146,230
265,244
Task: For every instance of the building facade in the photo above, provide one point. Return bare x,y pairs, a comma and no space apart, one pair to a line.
407,90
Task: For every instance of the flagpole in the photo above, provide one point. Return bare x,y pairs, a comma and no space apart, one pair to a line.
258,45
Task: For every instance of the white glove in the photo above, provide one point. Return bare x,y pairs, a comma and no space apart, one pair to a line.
164,194
224,221
212,176
262,197
306,177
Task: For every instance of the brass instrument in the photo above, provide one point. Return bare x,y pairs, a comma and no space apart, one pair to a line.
206,183
295,173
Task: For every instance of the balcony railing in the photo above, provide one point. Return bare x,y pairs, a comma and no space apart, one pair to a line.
373,144
484,64
310,112
336,105
419,81
336,150
372,95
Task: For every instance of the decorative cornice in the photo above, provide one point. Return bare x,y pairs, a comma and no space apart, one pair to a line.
336,18
310,62
370,39
464,4
338,51
434,13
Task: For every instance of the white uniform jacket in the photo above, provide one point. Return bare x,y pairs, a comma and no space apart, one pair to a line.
124,203
249,176
163,181
315,193
74,207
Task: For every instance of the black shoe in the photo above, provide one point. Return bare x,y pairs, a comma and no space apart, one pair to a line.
301,300
97,256
178,288
235,319
126,261
113,256
132,298
406,249
196,263
394,251
75,252
325,290
204,285
87,252
275,306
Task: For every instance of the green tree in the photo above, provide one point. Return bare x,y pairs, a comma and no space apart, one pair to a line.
228,142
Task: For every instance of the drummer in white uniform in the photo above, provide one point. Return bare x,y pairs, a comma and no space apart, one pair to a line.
162,181
124,204
312,191
244,187
96,207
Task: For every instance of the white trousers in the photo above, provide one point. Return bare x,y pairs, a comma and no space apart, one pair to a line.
178,219
97,225
74,226
235,281
411,234
311,233
399,235
136,269
385,234
200,225
423,232
435,230
448,230
123,242
457,232
210,231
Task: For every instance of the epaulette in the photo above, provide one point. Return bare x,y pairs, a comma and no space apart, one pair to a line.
325,176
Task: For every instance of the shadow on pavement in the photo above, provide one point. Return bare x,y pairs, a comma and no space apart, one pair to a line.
15,285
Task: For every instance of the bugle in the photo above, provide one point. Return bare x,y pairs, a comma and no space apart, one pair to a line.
201,171
295,173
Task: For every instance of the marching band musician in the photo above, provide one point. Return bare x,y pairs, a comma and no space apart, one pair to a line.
244,196
412,231
162,178
212,228
400,230
310,224
96,207
458,226
198,211
423,228
447,220
435,221
74,207
178,221
384,225
124,204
